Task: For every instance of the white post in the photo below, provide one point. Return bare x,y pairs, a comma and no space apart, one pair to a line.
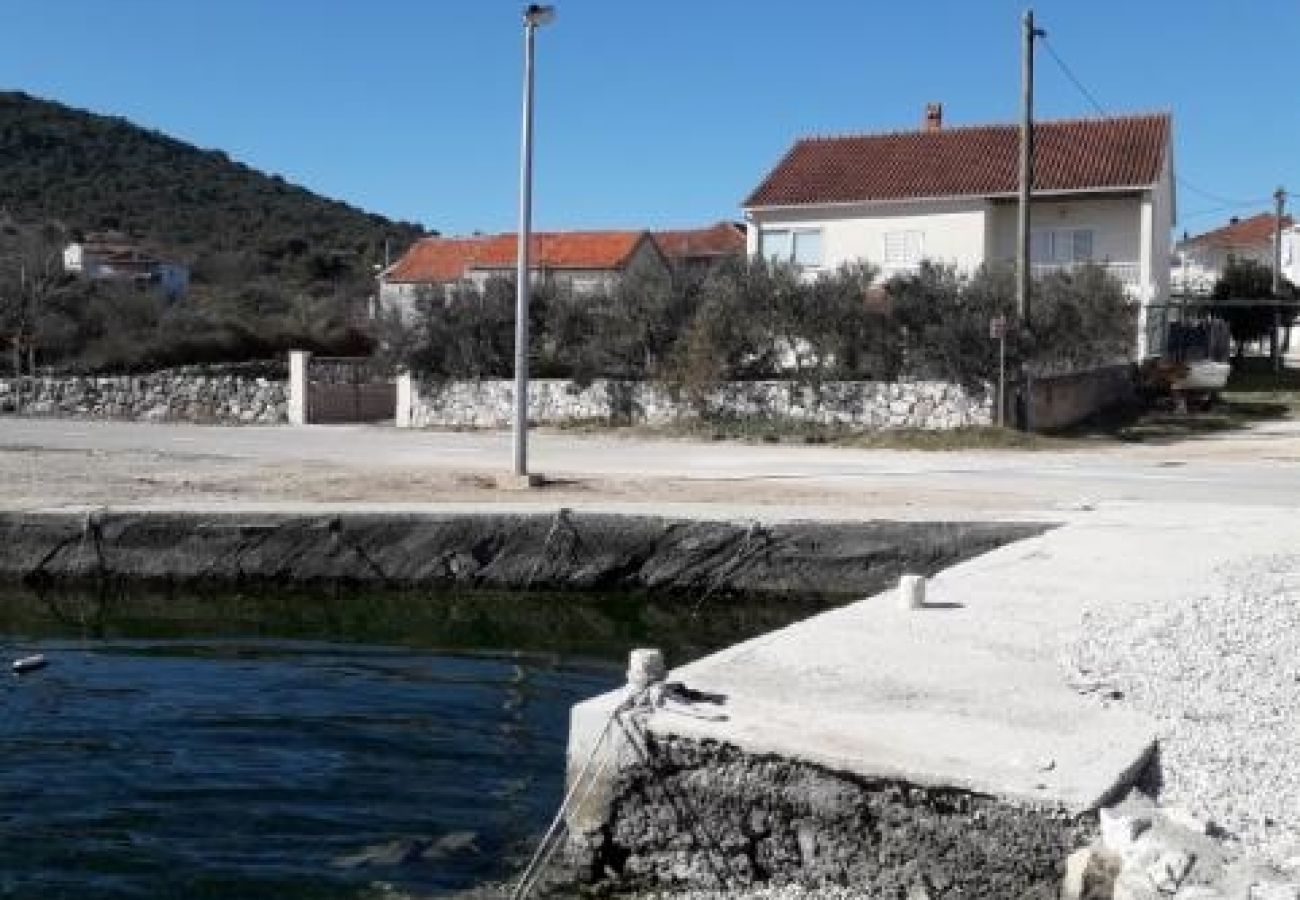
1146,275
298,360
911,591
645,667
405,400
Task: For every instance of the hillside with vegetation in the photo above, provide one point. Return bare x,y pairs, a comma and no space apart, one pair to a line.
271,262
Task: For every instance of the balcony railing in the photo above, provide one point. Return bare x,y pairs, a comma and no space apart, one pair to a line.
1128,274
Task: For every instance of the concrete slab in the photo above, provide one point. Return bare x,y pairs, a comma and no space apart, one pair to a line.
969,692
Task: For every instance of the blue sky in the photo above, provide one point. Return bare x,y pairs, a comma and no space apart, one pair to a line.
647,114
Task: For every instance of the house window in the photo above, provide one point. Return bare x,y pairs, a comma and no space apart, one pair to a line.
802,246
1060,246
903,248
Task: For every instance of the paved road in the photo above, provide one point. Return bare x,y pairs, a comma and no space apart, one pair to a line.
1260,467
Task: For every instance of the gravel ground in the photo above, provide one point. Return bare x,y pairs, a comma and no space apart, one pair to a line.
1221,674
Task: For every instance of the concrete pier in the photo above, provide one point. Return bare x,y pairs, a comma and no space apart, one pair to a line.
969,691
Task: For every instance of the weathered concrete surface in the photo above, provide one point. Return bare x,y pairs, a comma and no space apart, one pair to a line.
560,551
968,693
977,691
704,815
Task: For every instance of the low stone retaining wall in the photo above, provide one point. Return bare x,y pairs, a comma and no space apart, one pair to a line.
855,404
185,395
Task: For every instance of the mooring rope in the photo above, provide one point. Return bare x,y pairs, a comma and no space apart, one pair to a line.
550,842
647,693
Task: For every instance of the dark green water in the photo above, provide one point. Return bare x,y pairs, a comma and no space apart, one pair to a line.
304,745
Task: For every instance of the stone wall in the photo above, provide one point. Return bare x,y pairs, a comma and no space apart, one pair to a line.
192,394
856,404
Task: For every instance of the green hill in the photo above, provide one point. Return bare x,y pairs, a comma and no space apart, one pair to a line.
94,172
264,254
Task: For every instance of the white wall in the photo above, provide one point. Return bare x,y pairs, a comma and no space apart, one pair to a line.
73,257
953,231
1114,219
1162,249
1291,255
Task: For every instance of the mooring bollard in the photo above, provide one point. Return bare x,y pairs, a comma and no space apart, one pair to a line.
644,668
911,591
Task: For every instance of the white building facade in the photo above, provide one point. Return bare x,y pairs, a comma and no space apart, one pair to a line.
944,196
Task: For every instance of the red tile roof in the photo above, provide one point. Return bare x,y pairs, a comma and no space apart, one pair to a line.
720,239
1252,232
980,160
448,259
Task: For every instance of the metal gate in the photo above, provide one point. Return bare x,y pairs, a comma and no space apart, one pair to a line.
349,389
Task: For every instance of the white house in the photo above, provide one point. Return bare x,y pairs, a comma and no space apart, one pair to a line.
1103,193
109,256
1200,259
584,261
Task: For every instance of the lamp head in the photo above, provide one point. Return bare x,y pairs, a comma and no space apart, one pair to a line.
536,14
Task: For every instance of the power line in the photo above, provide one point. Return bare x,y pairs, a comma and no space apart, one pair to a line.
1215,210
1073,80
1227,202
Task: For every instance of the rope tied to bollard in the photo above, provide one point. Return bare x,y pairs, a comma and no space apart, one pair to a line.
648,691
645,671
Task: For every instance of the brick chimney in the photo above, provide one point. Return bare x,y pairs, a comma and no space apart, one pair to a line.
933,116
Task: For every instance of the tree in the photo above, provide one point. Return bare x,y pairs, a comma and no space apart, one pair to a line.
31,278
1243,297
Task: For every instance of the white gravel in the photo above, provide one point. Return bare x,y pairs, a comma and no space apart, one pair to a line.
1221,674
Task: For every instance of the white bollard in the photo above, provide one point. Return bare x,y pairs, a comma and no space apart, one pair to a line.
644,668
911,591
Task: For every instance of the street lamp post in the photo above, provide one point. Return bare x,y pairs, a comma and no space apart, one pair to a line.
534,16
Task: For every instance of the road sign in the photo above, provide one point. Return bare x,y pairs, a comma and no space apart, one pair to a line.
998,327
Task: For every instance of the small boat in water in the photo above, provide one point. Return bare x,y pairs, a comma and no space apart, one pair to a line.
30,664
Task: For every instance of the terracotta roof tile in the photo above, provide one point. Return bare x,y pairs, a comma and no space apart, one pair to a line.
980,160
448,259
720,239
1251,232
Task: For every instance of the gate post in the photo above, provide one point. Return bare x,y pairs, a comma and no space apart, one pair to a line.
405,400
298,360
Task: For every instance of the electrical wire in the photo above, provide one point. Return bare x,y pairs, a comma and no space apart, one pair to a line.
1069,74
1228,203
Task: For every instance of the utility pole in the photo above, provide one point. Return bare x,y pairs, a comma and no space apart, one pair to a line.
535,15
1029,32
1279,202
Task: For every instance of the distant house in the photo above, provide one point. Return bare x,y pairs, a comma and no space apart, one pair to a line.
110,256
696,250
1199,260
583,261
1103,194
